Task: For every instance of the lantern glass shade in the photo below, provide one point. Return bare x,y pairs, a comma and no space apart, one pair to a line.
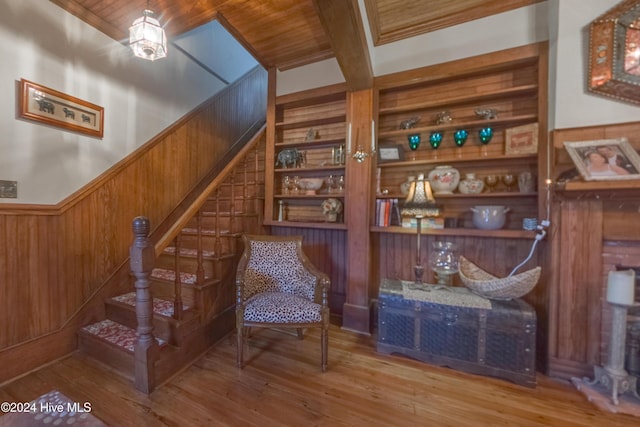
147,38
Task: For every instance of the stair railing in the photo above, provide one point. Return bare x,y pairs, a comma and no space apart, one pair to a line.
195,210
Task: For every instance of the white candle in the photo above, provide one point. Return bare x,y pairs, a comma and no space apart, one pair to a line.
621,287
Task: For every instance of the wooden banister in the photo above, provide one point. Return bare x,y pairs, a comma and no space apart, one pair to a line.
175,229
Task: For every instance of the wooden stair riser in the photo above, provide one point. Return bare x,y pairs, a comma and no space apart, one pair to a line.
224,244
168,329
187,264
115,357
224,222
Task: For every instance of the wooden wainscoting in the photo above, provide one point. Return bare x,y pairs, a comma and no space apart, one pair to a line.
56,259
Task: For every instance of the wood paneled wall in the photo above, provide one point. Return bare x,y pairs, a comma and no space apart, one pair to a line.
586,224
56,259
327,250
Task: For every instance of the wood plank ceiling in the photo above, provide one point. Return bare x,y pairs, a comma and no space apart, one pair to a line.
286,34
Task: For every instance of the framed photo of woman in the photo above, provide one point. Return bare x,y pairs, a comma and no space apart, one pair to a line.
604,159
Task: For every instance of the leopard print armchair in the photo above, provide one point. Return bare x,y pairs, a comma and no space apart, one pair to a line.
277,286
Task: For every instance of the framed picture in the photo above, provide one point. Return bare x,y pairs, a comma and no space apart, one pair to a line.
54,108
604,159
521,139
390,153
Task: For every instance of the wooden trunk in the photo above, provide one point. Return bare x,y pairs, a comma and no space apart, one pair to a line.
498,341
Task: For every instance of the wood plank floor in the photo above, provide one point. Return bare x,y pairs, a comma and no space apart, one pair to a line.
282,385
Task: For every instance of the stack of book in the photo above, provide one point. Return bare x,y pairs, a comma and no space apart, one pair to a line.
411,222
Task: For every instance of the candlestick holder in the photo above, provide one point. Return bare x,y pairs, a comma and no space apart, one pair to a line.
613,376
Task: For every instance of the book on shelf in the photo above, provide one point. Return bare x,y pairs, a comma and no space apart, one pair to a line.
411,222
387,212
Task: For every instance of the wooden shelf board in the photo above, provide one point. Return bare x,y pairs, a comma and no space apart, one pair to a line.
507,121
465,196
324,225
293,171
464,232
312,122
455,160
309,196
463,99
625,184
313,143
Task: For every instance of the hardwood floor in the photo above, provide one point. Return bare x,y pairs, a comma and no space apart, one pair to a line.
282,385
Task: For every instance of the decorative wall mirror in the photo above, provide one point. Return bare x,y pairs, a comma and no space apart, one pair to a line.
614,52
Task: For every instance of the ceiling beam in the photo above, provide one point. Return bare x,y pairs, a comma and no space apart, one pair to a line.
343,24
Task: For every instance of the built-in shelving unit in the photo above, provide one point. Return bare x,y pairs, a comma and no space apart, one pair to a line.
511,89
311,127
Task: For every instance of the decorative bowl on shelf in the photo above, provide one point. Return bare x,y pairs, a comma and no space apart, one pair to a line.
489,217
310,185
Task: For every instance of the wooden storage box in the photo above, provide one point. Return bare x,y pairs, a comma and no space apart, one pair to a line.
498,341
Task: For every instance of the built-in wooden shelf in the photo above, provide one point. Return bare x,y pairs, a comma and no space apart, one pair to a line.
464,99
323,142
464,232
507,121
309,196
300,224
488,195
455,160
312,122
296,171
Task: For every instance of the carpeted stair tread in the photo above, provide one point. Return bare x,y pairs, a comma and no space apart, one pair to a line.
116,334
160,306
207,232
170,275
189,252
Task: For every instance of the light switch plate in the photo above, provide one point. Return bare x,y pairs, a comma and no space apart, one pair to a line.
8,189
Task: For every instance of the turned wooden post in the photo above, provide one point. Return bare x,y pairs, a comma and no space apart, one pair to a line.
142,255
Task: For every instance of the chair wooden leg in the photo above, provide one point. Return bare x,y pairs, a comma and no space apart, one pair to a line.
240,344
324,343
300,333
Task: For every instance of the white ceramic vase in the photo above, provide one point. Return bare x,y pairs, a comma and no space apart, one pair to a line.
444,179
470,184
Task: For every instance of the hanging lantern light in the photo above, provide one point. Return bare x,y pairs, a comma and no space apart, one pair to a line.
147,38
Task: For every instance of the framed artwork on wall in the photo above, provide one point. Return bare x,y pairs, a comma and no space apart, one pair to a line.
49,106
390,153
521,139
604,159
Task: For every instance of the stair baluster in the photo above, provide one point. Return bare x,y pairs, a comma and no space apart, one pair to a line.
232,204
200,251
177,283
142,258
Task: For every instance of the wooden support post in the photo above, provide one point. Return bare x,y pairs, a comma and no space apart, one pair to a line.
142,256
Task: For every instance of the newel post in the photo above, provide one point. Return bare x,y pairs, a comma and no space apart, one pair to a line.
142,255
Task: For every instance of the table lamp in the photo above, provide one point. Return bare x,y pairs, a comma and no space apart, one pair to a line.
420,204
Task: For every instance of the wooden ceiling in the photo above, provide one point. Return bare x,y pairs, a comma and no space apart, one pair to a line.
289,33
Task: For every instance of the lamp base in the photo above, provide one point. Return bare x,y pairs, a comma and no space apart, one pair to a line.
419,272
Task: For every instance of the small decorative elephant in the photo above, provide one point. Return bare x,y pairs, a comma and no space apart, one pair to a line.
86,119
69,113
288,158
409,123
45,106
487,113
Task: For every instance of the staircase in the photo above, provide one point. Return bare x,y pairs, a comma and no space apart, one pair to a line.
184,294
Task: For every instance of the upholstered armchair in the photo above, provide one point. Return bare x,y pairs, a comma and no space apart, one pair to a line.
278,287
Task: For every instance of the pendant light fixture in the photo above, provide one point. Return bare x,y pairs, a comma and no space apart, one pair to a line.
147,38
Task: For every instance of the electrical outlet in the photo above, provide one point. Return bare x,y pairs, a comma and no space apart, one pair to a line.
8,189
